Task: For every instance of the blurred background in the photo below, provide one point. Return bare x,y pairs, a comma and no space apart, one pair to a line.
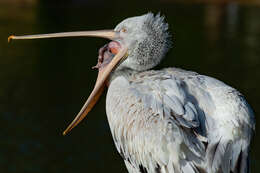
44,83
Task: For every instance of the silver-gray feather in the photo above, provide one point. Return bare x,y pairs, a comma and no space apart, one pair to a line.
148,38
179,121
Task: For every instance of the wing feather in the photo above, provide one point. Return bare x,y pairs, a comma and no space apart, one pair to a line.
172,120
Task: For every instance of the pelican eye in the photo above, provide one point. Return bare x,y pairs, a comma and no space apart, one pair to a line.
123,30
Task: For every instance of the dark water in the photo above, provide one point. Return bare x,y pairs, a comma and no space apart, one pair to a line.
44,83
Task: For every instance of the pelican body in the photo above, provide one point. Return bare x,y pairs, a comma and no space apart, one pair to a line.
169,120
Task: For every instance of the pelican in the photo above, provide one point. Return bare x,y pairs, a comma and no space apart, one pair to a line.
169,120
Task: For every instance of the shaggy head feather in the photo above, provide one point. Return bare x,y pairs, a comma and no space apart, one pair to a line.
147,39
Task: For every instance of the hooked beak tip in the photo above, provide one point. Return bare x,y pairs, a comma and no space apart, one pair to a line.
64,133
10,38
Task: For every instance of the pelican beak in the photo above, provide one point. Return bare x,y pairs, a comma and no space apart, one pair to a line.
102,75
109,34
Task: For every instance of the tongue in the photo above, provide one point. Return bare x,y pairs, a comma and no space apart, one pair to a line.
106,54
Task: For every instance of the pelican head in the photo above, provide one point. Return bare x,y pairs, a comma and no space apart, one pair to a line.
147,39
138,43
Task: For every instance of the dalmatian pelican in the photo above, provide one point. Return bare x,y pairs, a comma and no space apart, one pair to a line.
169,120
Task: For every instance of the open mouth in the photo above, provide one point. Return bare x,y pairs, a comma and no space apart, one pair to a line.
106,54
110,56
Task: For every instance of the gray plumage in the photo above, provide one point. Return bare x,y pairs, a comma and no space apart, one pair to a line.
148,39
172,120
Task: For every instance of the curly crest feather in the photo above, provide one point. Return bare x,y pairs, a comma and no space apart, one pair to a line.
148,40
